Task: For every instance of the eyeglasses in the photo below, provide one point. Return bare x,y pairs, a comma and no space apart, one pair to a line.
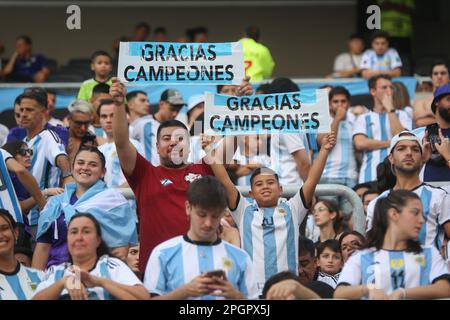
81,123
24,152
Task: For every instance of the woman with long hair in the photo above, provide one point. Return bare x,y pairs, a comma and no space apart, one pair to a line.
89,194
329,220
91,273
394,264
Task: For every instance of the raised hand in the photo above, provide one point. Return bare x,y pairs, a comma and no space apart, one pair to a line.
117,91
245,88
329,141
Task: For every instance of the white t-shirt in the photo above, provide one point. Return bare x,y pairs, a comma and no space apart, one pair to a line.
270,235
347,61
388,61
106,267
391,270
282,146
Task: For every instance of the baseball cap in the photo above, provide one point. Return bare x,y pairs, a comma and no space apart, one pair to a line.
173,97
438,94
402,136
195,100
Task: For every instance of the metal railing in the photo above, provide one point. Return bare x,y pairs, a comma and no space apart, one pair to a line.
359,218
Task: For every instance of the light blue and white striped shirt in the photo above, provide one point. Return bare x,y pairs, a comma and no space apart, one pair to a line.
376,126
391,270
46,146
177,261
270,235
341,162
145,130
20,284
106,267
436,212
114,176
8,197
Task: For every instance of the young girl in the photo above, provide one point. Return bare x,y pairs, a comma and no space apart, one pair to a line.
328,218
329,261
394,265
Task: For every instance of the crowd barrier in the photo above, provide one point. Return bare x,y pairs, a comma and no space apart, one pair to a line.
67,92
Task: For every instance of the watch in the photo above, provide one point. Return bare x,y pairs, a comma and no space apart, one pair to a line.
66,174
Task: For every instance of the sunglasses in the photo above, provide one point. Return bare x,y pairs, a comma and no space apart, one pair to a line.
24,152
81,123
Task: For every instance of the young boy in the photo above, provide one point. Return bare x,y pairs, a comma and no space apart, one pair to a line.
269,227
101,65
329,261
380,59
200,264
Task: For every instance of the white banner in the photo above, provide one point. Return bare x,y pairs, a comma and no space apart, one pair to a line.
305,111
181,63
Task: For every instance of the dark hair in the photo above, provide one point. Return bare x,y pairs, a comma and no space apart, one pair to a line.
333,207
190,33
338,90
264,88
91,149
396,199
99,53
25,38
356,36
306,245
160,30
367,185
39,97
281,276
102,249
379,34
102,103
169,123
331,244
133,94
263,170
207,193
281,85
100,88
373,80
252,32
439,63
355,233
9,218
24,250
370,191
14,146
142,25
386,179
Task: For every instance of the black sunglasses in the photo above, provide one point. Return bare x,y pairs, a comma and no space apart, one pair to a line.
24,152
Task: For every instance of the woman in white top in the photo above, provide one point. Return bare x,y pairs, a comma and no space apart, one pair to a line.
92,273
395,265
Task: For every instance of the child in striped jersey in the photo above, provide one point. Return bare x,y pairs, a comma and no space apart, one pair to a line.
394,264
269,226
329,261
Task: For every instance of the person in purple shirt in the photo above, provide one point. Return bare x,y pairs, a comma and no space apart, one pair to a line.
24,66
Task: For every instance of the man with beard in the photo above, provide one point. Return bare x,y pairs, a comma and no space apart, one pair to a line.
406,160
436,168
160,190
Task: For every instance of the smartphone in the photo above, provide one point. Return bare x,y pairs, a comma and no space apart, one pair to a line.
433,135
216,273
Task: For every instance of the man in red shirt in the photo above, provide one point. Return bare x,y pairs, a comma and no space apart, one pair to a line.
160,191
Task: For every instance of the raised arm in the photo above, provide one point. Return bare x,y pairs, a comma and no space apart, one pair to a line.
215,159
27,179
309,186
125,149
63,163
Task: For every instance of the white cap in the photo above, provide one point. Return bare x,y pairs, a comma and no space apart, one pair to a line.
404,135
195,100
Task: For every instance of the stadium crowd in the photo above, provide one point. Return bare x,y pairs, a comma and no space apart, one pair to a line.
67,232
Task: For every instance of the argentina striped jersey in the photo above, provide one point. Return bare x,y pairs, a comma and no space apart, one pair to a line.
19,284
8,197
